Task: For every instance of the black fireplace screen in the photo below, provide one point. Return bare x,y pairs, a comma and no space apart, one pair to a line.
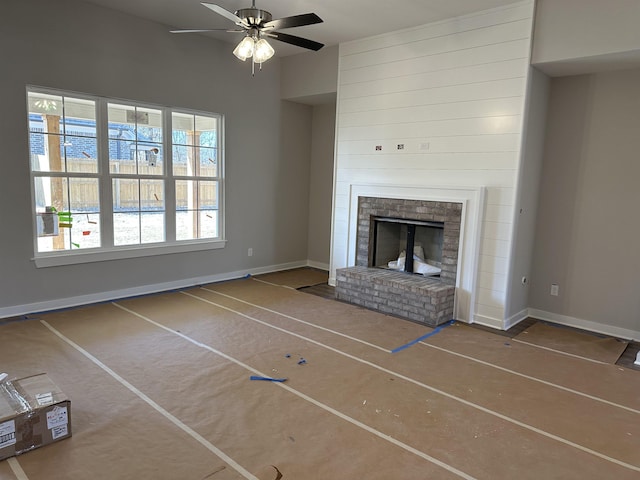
394,239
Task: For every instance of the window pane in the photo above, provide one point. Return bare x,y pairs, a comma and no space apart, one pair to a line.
135,145
51,192
122,125
126,228
126,195
186,195
46,152
181,124
207,195
41,106
51,196
186,225
199,132
149,157
152,227
79,117
86,229
81,154
149,125
196,214
208,224
84,196
151,195
208,162
207,126
122,157
182,155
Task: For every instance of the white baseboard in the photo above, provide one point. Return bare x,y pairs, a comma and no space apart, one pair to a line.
605,329
515,319
318,265
488,321
69,302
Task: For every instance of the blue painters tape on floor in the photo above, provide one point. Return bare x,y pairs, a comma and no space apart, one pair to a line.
430,334
267,379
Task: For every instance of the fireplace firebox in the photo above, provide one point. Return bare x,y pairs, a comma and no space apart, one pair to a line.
395,238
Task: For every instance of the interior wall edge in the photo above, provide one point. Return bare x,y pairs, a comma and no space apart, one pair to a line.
516,318
112,295
595,327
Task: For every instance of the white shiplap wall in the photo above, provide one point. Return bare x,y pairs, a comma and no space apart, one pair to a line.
453,92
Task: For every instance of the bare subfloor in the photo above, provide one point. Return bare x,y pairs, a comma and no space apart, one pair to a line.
160,389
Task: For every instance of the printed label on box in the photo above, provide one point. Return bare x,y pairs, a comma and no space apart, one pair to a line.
44,398
7,433
57,417
60,431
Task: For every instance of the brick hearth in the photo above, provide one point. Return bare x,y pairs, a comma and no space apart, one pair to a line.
423,299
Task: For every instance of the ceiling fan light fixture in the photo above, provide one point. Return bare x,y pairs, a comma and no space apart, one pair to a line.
245,48
263,51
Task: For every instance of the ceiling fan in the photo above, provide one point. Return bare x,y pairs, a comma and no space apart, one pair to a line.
257,24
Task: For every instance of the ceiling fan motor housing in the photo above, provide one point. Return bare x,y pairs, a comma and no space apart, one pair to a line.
254,16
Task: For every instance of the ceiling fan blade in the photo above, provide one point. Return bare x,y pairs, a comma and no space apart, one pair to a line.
226,13
205,30
297,41
294,21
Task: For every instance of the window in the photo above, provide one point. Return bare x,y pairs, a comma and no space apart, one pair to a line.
116,179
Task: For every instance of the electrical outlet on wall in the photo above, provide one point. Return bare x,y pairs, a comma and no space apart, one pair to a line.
554,289
250,252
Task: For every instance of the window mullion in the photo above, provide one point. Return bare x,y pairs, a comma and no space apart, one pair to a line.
169,180
106,190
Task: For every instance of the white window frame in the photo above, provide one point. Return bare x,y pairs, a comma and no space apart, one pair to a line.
108,251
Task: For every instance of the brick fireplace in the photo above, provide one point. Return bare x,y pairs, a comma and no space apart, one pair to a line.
428,300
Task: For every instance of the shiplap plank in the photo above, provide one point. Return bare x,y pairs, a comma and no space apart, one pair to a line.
457,143
499,70
490,303
459,25
497,231
493,281
488,263
461,92
484,54
436,128
494,248
492,34
396,176
412,158
494,108
500,196
499,213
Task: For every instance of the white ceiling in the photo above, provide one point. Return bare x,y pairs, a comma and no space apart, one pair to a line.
344,20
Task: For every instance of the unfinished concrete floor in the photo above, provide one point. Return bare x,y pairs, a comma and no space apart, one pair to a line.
160,389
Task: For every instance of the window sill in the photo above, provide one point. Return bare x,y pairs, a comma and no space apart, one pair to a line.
73,258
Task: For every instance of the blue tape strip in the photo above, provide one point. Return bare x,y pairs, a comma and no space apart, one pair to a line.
430,334
267,379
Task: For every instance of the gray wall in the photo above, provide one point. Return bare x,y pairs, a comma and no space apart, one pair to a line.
311,77
80,47
527,197
321,184
586,36
588,228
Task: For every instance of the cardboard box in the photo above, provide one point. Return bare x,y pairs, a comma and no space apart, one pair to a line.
33,413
